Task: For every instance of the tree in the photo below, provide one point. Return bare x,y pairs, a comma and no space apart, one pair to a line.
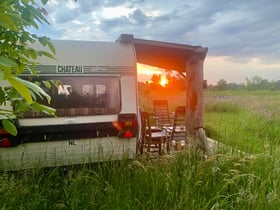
176,81
221,85
16,56
258,83
156,79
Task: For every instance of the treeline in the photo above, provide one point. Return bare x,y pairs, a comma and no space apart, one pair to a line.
175,82
254,83
179,83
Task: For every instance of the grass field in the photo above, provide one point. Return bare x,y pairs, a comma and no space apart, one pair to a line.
246,120
245,177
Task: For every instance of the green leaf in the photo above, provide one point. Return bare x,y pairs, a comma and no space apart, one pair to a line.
33,54
43,40
35,14
7,22
2,74
48,55
46,41
52,48
20,86
7,62
9,126
43,108
18,18
35,89
47,84
23,108
26,15
18,54
2,97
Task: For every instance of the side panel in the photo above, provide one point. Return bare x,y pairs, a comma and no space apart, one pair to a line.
58,153
129,94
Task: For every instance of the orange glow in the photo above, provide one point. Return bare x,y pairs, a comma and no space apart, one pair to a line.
145,72
163,80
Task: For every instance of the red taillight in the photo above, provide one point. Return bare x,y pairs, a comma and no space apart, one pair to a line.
6,139
4,142
126,125
128,134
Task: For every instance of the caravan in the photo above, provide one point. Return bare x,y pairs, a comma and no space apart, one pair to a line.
96,108
96,101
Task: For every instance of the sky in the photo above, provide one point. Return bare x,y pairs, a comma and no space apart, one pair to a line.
242,36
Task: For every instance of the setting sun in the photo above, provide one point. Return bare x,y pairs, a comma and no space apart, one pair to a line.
163,80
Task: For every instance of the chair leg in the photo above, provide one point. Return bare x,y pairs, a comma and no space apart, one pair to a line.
167,147
141,148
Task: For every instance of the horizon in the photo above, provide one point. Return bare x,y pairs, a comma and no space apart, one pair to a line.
145,72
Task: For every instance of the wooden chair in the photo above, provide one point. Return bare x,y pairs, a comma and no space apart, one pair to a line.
161,113
177,134
150,141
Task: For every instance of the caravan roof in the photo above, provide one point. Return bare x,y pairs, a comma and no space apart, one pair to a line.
91,52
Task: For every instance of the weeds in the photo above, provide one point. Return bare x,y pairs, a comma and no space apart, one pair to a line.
245,121
228,179
221,106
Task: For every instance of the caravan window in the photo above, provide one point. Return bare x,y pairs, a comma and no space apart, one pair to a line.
81,96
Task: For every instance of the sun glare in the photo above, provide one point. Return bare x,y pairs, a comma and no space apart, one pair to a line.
145,72
163,80
148,70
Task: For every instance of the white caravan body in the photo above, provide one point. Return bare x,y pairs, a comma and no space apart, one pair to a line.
96,103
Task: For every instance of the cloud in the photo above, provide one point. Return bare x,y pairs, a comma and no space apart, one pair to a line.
237,30
246,30
89,6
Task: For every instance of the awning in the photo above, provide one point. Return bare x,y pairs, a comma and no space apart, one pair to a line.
169,56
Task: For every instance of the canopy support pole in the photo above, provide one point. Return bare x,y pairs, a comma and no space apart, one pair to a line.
195,100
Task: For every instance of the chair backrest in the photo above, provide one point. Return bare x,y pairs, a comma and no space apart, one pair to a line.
145,124
161,112
180,116
179,124
151,141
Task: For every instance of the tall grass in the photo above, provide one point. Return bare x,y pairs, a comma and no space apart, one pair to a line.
244,121
232,178
188,181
